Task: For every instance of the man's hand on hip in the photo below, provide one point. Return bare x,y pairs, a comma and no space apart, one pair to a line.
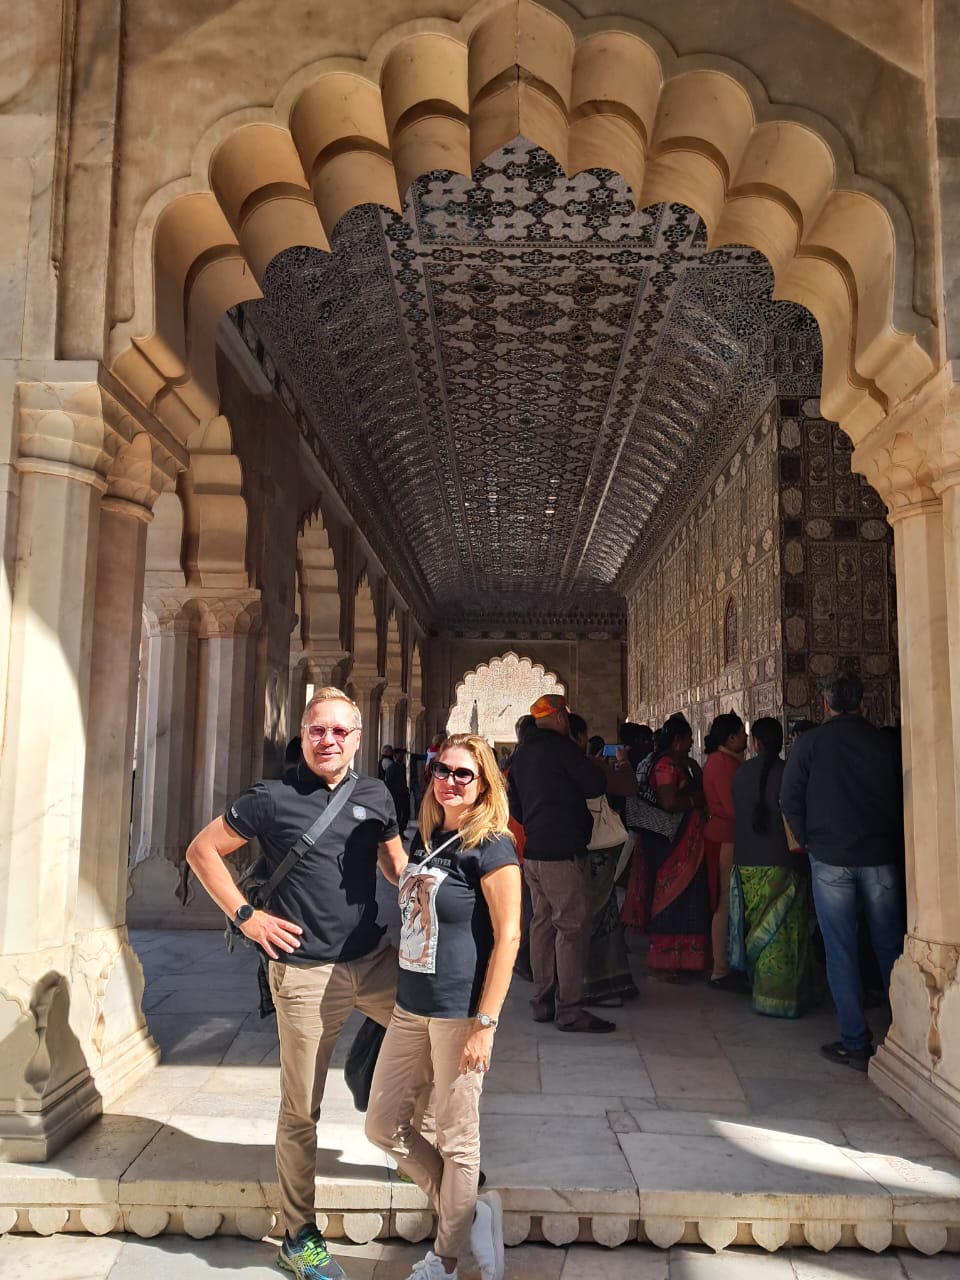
269,931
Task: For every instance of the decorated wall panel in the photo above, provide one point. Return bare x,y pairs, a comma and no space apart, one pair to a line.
781,570
703,619
839,599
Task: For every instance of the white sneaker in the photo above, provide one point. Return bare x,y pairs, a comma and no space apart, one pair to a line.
431,1268
486,1236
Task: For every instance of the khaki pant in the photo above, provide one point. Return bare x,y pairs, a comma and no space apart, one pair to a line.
313,1002
559,934
415,1051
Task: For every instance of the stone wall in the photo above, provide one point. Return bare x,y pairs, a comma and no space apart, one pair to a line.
703,621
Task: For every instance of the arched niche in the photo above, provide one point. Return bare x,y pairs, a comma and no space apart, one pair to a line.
493,696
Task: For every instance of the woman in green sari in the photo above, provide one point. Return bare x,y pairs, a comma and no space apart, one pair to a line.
769,936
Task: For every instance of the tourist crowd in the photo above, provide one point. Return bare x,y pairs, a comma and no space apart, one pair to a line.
751,870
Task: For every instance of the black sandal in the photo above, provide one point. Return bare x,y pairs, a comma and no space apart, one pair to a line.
590,1023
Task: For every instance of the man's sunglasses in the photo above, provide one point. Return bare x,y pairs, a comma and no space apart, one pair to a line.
443,772
339,732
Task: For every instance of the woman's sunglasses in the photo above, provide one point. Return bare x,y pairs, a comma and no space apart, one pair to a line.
443,772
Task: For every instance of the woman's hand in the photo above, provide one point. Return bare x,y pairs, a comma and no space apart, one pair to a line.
476,1050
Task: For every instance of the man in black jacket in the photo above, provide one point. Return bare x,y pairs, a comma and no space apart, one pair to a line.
841,797
550,781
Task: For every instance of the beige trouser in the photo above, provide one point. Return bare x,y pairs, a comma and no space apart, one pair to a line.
313,1002
415,1051
559,935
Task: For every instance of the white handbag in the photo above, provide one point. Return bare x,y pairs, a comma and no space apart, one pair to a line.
608,830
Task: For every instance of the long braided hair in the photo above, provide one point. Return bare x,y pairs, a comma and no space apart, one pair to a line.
768,733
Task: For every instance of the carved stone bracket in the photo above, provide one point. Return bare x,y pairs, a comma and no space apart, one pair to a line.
65,429
914,454
207,614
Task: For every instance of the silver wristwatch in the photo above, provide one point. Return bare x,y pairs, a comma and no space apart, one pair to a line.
485,1020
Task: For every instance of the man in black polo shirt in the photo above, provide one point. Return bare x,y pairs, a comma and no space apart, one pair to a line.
840,796
328,955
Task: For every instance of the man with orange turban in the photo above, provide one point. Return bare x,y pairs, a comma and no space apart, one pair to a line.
550,782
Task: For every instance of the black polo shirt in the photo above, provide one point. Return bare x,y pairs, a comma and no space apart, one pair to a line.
332,891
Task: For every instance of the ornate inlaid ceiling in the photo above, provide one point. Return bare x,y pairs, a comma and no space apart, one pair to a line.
520,379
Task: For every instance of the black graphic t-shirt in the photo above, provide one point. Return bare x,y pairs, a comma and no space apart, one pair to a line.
332,891
446,936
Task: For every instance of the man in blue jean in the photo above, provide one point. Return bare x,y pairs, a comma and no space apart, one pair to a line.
841,798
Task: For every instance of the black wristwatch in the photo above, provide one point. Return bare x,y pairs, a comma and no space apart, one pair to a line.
243,913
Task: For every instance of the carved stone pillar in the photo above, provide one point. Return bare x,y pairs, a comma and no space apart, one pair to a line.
162,803
915,468
47,1092
226,720
198,720
110,983
364,687
416,735
389,702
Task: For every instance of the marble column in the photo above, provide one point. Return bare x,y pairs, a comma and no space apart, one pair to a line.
226,717
416,714
199,721
110,983
163,791
389,701
919,1062
47,1090
364,687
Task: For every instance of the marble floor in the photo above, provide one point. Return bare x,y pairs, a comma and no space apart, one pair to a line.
696,1124
65,1257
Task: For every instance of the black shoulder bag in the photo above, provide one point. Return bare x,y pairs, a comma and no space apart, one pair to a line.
258,889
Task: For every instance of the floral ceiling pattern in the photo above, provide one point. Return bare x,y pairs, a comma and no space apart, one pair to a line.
521,380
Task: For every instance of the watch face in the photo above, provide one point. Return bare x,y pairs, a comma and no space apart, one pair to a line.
244,913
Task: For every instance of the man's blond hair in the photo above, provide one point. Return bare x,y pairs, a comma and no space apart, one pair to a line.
330,694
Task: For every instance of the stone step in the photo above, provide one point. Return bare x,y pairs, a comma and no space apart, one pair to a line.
670,1178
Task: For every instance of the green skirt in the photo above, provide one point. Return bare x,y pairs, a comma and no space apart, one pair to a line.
769,938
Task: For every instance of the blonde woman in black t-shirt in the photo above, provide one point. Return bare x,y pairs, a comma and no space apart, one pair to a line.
460,914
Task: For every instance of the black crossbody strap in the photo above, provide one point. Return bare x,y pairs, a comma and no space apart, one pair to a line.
311,835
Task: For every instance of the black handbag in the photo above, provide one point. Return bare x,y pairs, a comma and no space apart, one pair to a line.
258,888
361,1060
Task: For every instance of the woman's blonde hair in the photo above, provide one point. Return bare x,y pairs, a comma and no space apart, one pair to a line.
489,815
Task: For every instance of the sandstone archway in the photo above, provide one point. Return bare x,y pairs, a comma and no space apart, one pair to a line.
601,94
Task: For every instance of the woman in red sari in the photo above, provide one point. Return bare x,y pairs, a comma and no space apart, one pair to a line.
680,915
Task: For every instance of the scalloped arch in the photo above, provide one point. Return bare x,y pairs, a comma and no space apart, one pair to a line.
605,93
536,667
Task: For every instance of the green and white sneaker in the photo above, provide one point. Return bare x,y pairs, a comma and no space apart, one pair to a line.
308,1257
